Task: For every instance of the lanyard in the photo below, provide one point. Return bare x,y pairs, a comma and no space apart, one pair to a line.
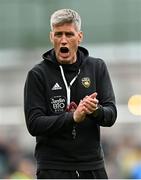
68,87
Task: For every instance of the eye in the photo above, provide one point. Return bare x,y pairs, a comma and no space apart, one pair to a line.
69,34
58,34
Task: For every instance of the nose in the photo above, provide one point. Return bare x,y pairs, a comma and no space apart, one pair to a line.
63,39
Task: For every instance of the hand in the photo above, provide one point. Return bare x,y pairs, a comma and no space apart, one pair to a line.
90,103
86,106
79,114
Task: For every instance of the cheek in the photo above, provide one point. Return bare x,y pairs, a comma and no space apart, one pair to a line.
55,43
75,45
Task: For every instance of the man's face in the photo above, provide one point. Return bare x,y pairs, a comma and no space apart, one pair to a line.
65,39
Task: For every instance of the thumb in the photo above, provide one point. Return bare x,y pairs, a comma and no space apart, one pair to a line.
93,95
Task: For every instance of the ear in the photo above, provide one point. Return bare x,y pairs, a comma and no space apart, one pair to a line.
51,37
80,37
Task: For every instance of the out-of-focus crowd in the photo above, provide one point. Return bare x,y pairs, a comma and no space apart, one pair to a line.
123,158
15,162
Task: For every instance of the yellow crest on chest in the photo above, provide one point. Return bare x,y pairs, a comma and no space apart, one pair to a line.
86,82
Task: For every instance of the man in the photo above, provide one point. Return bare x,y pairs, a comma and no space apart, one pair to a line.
68,96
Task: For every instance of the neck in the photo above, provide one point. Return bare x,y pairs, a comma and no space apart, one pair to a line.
67,62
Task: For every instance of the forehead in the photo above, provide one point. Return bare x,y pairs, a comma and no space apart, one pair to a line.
65,27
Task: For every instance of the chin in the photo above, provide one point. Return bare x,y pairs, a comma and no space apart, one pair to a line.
64,61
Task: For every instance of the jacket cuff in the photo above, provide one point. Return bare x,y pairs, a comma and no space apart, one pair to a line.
99,113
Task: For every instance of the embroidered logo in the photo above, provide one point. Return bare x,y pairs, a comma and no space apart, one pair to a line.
56,87
86,82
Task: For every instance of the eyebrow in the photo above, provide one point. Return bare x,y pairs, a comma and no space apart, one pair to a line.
66,33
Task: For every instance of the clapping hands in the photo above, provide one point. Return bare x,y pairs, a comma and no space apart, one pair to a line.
86,106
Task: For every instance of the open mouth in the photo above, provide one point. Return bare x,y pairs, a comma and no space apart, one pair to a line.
64,50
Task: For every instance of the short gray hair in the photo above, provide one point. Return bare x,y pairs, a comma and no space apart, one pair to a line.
63,16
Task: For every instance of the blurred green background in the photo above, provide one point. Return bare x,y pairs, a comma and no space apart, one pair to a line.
25,23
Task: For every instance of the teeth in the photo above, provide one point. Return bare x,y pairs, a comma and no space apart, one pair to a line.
64,50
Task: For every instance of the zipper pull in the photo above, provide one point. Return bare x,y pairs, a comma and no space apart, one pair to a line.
74,132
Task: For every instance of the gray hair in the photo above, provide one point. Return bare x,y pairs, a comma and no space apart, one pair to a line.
63,16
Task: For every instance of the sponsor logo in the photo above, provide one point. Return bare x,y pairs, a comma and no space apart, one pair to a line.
56,87
86,82
58,104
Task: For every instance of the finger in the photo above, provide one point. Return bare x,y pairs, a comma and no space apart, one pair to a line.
88,111
85,97
93,95
91,102
90,106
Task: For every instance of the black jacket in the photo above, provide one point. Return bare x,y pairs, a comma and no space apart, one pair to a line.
45,104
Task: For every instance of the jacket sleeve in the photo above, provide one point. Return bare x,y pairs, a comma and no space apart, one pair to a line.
38,122
107,113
